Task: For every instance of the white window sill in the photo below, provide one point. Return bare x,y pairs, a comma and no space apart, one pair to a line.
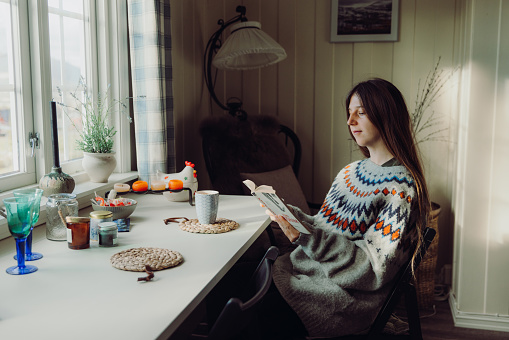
84,191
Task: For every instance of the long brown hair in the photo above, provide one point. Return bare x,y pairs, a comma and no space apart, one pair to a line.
386,109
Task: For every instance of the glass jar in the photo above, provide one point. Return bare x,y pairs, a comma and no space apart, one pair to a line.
97,217
58,207
78,232
108,234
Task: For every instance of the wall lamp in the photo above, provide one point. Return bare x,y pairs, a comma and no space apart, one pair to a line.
247,47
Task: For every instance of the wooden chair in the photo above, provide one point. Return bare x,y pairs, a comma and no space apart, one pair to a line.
257,144
403,287
258,148
239,318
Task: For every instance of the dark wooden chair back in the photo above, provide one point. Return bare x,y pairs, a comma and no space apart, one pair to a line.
255,145
239,317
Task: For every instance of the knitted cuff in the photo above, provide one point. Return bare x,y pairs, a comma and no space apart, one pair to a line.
302,240
301,216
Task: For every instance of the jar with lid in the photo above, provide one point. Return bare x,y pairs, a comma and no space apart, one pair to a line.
108,234
97,217
78,232
58,207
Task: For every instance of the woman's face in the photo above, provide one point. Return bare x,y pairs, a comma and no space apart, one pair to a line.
364,132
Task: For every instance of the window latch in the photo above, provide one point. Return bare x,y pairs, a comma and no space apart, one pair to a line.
33,138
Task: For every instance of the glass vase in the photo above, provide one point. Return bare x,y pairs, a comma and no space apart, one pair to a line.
58,207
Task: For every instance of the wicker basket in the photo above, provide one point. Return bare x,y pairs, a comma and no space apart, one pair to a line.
425,274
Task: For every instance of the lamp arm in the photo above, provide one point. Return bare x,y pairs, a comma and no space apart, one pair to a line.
213,45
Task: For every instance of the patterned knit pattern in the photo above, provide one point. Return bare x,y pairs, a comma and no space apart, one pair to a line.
339,275
365,189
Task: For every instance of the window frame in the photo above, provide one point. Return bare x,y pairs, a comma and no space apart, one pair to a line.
23,100
109,67
109,62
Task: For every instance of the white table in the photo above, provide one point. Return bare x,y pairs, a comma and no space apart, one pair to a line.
77,293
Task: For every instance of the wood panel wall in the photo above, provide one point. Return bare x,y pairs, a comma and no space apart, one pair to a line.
481,273
307,90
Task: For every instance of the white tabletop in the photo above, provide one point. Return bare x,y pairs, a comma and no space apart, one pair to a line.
77,293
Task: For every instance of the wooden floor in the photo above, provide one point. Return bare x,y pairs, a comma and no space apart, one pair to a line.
436,324
439,325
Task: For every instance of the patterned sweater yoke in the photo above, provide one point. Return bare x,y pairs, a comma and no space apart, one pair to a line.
339,275
361,192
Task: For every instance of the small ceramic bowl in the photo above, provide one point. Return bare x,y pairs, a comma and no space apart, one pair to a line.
119,212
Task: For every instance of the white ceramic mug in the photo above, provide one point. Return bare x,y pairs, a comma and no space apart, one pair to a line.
207,202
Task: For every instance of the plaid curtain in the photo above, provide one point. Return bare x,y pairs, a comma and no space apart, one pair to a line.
150,51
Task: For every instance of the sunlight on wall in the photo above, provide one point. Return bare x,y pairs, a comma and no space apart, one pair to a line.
462,134
501,167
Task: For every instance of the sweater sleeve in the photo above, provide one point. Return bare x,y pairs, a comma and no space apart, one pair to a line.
306,219
365,263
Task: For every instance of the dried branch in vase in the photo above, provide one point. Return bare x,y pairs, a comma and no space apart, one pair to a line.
430,126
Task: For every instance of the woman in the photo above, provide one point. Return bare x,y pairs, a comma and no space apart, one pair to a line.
369,225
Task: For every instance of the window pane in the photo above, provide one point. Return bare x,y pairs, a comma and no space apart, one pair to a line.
67,40
9,160
55,49
9,157
74,51
54,3
73,6
5,40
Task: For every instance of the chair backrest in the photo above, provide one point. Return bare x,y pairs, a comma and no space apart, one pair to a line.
294,147
255,145
238,316
402,286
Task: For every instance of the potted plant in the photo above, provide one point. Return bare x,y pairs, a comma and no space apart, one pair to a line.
429,126
96,135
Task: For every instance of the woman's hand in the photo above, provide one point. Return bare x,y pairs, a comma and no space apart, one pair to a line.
290,232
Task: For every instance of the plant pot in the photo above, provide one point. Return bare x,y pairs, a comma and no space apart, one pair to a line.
425,273
99,166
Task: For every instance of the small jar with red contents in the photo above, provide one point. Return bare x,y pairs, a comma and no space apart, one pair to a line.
78,232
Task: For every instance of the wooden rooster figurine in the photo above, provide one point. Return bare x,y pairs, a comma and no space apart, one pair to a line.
188,178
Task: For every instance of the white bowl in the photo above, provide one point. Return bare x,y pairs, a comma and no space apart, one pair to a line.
119,212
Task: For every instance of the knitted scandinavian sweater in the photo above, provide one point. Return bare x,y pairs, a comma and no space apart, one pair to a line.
339,275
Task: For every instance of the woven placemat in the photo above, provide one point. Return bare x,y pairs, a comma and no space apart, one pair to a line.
135,259
222,225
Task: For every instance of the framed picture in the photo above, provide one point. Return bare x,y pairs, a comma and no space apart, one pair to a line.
364,20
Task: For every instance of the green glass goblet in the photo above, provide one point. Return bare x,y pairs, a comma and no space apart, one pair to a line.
36,194
19,219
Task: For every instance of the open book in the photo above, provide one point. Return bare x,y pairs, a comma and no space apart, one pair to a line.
267,195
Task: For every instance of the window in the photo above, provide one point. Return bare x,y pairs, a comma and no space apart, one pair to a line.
65,40
8,151
69,63
17,165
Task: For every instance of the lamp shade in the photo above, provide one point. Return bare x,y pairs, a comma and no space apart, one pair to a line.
248,47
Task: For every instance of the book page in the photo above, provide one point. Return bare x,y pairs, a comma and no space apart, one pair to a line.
275,204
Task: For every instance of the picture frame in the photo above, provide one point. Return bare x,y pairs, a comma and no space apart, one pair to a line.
363,21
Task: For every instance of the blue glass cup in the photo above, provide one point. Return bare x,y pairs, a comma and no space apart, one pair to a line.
36,194
19,212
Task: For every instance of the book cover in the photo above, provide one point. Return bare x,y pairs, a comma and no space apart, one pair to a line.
268,197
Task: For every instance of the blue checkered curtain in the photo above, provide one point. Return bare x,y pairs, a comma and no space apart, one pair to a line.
150,49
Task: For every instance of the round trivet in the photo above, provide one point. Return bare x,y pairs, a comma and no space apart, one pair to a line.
135,259
222,225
